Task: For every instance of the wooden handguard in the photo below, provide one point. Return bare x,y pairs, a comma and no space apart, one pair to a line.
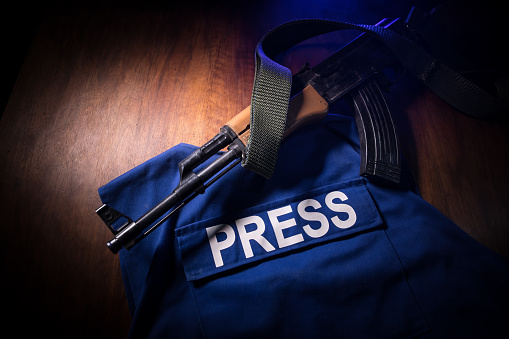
305,107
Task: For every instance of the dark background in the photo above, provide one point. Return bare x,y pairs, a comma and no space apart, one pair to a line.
20,21
92,89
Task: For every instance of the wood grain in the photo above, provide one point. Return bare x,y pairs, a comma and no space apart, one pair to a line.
106,87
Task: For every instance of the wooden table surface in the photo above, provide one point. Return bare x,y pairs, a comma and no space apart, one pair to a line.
106,86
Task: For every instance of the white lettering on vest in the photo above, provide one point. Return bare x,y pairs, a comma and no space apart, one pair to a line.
352,217
313,216
279,226
217,246
255,235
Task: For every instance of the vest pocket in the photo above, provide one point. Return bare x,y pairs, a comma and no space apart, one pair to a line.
313,265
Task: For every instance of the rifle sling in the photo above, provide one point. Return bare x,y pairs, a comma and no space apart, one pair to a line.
272,84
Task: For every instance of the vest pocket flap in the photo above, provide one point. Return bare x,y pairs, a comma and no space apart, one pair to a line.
263,232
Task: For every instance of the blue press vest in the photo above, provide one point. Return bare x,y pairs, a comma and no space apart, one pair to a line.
314,252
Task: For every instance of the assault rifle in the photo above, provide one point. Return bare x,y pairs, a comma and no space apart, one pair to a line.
355,71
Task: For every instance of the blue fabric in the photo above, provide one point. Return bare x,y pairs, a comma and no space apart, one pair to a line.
314,252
